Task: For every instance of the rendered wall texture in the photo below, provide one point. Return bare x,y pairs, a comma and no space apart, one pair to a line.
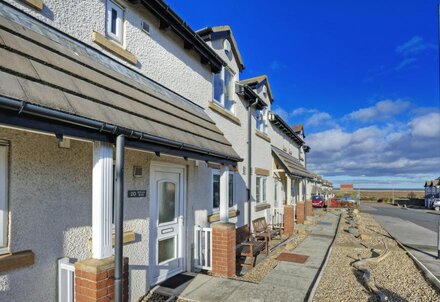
160,54
51,210
50,193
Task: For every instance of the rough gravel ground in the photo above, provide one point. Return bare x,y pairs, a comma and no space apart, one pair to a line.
262,269
153,297
397,275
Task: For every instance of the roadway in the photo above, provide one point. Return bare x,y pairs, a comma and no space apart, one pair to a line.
416,229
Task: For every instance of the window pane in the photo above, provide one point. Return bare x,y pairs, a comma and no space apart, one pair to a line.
264,189
229,96
218,87
216,191
260,120
276,193
257,189
166,249
114,18
229,105
231,190
167,202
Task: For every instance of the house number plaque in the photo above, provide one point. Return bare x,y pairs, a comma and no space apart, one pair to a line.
137,193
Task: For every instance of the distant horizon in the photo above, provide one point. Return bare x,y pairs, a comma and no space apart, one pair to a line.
384,189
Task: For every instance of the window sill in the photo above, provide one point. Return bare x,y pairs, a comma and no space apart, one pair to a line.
13,261
216,216
218,109
36,4
262,206
127,237
262,172
114,48
262,135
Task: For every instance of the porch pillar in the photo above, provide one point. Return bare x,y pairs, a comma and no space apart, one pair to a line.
224,193
223,249
300,213
102,197
289,218
288,190
300,190
305,189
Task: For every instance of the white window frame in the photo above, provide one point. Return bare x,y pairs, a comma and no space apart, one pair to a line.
261,117
217,172
261,191
118,36
276,195
4,209
222,100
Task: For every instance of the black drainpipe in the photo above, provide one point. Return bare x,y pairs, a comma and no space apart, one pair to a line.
119,216
251,103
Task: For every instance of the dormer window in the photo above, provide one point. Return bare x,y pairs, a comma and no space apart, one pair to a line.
224,89
261,116
114,21
227,46
264,89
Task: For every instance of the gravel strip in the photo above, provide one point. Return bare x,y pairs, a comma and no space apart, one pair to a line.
397,275
262,269
154,297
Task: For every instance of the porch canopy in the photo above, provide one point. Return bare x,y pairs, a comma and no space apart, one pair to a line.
291,165
54,83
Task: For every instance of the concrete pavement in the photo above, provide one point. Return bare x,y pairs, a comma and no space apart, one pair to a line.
286,282
415,229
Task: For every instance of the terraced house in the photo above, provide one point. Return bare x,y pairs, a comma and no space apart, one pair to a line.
432,190
127,142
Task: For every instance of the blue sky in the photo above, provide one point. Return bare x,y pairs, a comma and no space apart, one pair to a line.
362,76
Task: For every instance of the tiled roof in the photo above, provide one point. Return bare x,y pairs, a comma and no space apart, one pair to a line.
47,72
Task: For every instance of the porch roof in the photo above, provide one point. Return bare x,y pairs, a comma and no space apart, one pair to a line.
291,165
45,74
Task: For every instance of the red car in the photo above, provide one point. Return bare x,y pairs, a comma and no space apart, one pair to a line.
318,201
334,202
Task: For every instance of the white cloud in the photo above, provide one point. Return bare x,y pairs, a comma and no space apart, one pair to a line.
329,140
319,119
381,111
414,46
302,110
409,151
281,112
405,63
426,126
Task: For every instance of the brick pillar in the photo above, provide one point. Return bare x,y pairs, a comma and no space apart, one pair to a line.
300,213
223,249
309,208
288,220
94,280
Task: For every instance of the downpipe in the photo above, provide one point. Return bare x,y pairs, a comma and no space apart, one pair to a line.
119,216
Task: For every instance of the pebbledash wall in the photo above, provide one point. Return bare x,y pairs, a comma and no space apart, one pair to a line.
262,159
51,211
237,133
160,54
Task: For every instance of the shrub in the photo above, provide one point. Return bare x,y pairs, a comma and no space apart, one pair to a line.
412,195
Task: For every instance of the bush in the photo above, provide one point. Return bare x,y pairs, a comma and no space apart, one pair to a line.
412,195
380,200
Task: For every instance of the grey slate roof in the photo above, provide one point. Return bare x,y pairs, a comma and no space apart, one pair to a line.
42,67
291,165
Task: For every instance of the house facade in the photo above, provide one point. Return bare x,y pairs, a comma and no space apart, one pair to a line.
432,189
120,125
